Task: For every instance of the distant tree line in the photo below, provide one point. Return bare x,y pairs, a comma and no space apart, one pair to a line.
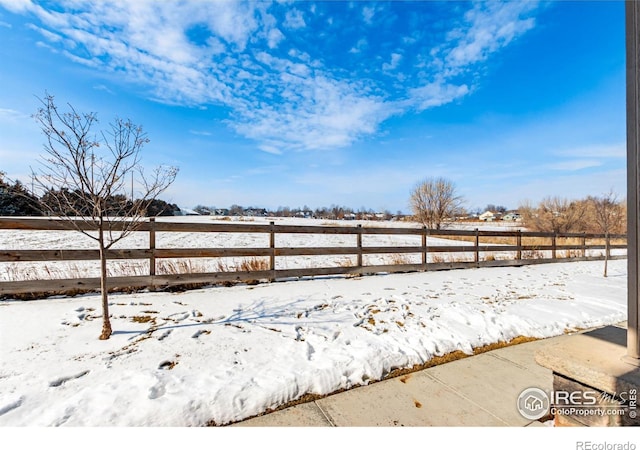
333,212
16,200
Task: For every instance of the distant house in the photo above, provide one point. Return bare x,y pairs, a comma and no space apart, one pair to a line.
487,216
186,212
512,217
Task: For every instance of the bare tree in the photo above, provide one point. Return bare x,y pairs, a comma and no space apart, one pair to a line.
609,217
87,177
435,200
555,214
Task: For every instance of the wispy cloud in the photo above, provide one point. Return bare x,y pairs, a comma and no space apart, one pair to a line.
281,93
200,133
488,27
17,6
102,87
617,150
575,164
12,115
436,94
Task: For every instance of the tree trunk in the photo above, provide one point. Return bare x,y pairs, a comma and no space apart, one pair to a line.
106,323
606,253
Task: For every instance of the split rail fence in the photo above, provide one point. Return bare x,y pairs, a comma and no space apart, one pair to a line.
478,250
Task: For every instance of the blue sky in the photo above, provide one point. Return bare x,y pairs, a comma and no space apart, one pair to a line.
316,103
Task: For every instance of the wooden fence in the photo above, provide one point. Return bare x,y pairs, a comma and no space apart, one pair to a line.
479,250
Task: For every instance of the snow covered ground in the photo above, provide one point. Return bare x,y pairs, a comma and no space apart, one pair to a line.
223,354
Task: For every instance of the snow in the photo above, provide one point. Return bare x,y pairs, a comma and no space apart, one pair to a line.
223,354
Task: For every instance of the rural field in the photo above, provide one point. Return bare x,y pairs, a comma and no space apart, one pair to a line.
217,355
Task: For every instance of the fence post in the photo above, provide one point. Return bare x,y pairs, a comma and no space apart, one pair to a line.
553,245
359,245
272,247
519,245
477,250
424,248
152,246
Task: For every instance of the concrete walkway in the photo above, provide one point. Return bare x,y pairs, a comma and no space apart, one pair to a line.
480,390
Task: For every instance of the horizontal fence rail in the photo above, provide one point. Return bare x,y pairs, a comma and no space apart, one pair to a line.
478,250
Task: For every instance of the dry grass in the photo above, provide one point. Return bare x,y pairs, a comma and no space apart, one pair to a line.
442,259
180,266
348,262
398,259
534,241
532,254
143,319
254,265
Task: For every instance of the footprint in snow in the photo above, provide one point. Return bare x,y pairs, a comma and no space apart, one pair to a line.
62,380
164,335
310,351
179,317
11,405
198,333
156,391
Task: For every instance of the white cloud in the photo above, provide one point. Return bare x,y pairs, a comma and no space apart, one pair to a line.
489,26
200,133
275,36
51,37
327,114
17,6
294,19
393,64
576,164
437,94
11,115
368,13
360,45
287,103
618,150
102,87
270,149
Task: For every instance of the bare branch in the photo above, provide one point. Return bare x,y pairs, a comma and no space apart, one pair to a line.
434,200
83,178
